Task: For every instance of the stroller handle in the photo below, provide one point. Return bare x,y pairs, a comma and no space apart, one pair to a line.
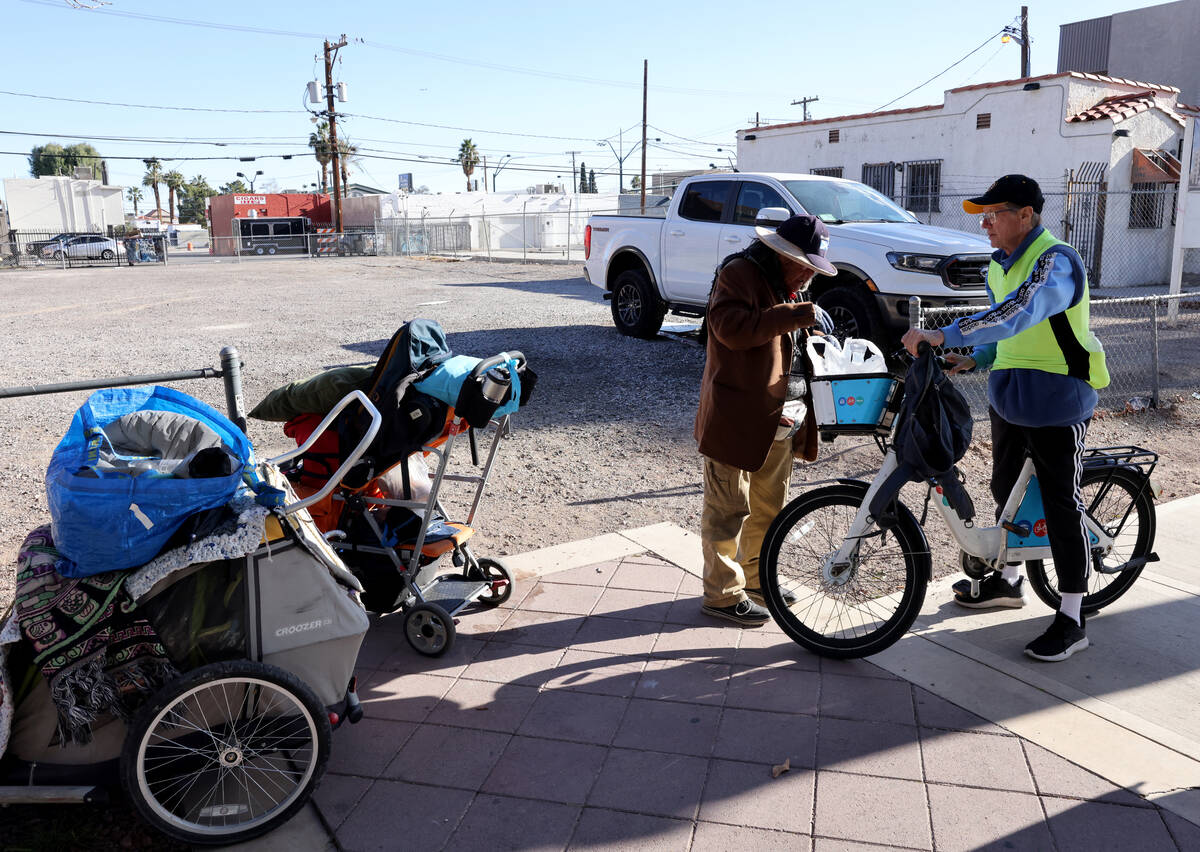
335,480
497,361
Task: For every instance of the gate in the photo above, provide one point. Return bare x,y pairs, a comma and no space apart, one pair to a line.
1083,215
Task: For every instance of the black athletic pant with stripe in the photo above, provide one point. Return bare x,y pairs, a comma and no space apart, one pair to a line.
1057,453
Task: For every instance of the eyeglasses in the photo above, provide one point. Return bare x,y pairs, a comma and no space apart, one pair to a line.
990,216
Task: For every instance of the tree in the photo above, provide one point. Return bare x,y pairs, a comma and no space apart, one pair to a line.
175,182
135,195
153,177
318,140
583,184
192,200
53,159
347,157
234,187
592,181
468,158
636,183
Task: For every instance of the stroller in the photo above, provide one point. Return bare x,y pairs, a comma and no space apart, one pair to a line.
386,519
228,661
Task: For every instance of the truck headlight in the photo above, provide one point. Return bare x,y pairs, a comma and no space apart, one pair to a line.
929,263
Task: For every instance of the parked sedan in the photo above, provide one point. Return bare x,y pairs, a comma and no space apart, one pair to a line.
86,246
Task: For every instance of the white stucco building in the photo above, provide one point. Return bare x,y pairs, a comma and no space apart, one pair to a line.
1105,151
59,204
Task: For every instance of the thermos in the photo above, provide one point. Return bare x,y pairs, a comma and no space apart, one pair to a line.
495,385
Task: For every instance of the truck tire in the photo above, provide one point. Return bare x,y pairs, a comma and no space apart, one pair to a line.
852,312
636,309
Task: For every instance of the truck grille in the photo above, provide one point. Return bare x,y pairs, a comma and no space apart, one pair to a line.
966,272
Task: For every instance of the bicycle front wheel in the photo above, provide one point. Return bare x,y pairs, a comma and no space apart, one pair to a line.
1119,501
851,609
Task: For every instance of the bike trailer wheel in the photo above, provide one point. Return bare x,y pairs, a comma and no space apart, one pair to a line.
846,610
226,752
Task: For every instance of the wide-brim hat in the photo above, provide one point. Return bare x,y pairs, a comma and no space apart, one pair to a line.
803,239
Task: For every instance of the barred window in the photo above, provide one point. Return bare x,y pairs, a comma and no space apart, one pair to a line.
828,171
1147,202
835,136
923,186
983,120
880,177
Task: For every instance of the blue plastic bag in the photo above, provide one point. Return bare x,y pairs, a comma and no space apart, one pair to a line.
108,520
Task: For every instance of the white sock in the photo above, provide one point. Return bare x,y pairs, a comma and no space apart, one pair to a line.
1071,602
1011,572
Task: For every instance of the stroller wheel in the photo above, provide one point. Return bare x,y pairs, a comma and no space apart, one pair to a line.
225,753
497,573
429,629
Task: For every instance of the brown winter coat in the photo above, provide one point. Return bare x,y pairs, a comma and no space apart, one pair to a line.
745,376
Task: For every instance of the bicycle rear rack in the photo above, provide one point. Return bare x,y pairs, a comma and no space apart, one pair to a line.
1128,456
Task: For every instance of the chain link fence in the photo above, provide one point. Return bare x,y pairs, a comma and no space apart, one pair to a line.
1151,343
1125,238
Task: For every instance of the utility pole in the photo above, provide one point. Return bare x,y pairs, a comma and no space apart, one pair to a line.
804,102
645,80
574,171
331,54
1024,41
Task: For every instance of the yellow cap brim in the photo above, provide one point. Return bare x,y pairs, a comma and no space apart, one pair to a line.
973,208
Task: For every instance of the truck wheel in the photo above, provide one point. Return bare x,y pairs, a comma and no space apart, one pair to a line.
852,312
636,308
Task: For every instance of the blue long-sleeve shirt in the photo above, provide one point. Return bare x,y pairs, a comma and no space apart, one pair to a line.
1029,397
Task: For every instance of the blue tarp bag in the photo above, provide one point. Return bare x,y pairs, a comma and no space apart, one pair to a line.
105,519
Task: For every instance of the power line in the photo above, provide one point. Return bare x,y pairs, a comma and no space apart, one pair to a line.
940,73
149,106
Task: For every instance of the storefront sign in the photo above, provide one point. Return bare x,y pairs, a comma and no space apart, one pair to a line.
249,199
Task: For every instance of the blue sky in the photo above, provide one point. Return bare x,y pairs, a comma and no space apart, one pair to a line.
533,81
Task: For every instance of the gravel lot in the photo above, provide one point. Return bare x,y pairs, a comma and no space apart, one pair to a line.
606,443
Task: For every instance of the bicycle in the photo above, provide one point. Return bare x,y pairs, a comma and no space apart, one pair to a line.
858,587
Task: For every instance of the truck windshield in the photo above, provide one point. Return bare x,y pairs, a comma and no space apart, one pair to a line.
845,201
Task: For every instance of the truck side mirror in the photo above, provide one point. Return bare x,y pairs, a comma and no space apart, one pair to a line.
772,217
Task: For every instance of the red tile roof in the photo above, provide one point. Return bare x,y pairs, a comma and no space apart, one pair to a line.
1121,107
1149,88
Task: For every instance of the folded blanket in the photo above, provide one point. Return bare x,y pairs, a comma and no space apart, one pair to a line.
96,654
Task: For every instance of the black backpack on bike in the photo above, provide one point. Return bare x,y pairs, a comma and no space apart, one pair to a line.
934,433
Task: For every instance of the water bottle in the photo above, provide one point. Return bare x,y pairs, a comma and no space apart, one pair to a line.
496,383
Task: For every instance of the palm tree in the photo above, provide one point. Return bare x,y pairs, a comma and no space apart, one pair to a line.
135,195
347,157
154,176
468,158
175,182
318,140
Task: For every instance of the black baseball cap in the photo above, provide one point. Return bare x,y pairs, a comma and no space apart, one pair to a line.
802,238
1017,190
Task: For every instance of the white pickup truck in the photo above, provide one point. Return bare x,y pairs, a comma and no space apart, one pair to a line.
648,265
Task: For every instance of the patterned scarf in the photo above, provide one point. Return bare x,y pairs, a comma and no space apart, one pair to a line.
95,654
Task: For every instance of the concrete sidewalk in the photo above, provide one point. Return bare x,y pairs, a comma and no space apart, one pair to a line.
600,709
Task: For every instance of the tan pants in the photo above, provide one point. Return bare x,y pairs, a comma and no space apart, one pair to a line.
738,508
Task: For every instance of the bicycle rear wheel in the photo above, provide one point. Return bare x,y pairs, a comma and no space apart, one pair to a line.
842,611
1119,501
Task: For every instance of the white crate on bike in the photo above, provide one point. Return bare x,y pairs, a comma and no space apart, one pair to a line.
852,390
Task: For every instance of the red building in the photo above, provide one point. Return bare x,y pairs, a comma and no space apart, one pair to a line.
224,209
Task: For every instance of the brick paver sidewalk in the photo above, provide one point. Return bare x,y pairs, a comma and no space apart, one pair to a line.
600,709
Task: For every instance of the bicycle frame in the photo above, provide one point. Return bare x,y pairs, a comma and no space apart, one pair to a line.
1008,541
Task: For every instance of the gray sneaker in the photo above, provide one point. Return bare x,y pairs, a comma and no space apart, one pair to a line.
745,613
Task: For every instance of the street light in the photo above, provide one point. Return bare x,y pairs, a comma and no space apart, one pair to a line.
251,179
504,161
621,158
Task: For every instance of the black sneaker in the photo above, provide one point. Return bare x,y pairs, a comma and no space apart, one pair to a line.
994,591
1062,639
746,613
756,595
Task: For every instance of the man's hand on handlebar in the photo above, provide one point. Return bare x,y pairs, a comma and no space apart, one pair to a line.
915,336
955,363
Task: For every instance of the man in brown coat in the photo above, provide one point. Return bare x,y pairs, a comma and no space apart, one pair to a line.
747,438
